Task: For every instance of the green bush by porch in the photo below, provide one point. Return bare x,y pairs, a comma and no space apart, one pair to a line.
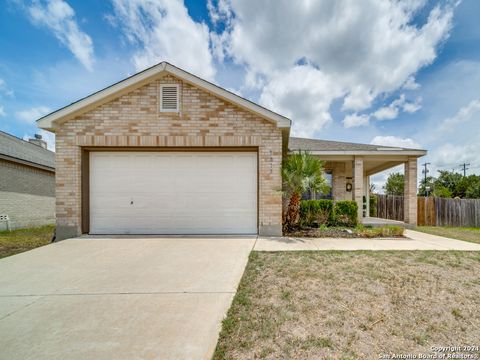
315,213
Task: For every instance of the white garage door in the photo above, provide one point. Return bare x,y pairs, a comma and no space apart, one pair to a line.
173,193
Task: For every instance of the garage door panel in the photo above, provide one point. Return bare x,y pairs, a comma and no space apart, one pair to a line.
173,193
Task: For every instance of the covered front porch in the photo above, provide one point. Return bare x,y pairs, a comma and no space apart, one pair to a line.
352,165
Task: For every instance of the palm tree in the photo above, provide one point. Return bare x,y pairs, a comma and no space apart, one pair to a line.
301,172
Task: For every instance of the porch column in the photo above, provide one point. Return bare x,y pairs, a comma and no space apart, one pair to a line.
358,185
410,192
367,192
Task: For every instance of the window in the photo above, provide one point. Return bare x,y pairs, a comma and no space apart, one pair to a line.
169,98
329,178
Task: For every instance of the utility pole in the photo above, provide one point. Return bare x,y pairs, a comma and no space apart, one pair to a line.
465,168
425,172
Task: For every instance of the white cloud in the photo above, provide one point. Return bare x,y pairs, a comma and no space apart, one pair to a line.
302,93
386,113
451,155
31,115
369,48
219,11
411,107
355,120
164,31
411,84
457,140
4,89
395,142
465,114
59,17
391,111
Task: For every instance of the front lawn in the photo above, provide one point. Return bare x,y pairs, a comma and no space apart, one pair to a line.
352,305
460,233
17,241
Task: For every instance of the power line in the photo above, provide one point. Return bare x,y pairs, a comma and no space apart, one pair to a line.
465,168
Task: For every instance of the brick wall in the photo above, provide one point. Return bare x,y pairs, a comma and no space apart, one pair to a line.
340,172
27,195
134,120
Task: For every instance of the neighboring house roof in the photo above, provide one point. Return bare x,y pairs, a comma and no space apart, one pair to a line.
50,121
327,147
21,151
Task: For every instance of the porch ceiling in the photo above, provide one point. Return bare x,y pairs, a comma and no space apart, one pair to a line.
372,167
372,164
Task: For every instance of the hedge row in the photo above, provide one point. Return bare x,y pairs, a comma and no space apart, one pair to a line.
314,213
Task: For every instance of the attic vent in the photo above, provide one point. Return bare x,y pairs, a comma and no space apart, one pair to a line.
169,98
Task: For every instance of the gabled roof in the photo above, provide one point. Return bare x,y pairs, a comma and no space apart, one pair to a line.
50,121
18,150
327,147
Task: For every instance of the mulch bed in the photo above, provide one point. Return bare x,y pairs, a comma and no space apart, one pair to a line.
332,233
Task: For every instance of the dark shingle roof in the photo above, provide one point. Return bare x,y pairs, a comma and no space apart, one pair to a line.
17,148
296,144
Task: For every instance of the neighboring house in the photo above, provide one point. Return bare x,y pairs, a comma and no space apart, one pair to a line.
165,152
27,182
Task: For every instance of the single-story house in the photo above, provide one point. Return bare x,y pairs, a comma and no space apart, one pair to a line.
27,182
166,152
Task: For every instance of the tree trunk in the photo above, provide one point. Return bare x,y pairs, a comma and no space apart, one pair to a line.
293,211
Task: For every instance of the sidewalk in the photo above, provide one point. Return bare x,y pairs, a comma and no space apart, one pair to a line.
414,240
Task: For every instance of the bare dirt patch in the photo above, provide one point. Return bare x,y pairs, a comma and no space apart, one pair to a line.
352,305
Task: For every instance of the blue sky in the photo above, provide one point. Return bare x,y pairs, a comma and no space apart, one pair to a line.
390,73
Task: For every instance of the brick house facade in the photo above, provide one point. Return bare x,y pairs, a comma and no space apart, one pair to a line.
128,116
133,120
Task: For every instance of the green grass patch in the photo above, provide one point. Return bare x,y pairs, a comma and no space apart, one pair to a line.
459,233
17,241
384,231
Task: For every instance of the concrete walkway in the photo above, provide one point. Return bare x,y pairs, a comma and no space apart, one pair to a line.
119,298
414,240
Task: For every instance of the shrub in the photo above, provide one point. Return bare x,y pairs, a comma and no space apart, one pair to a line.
345,213
314,213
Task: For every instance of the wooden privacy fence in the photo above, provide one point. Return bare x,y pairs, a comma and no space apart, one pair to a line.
390,207
433,211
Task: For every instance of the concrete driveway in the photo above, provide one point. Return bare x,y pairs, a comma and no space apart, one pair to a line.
119,298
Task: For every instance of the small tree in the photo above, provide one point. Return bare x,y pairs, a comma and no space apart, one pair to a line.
395,184
473,191
442,191
429,182
301,172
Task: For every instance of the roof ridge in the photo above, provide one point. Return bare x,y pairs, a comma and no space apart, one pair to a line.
146,75
23,141
354,143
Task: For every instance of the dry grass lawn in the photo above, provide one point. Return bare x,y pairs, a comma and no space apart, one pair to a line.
352,305
17,241
465,234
